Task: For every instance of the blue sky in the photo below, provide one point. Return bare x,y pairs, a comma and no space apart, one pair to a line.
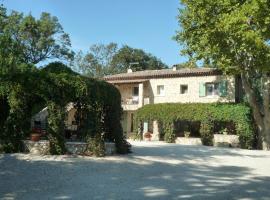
146,24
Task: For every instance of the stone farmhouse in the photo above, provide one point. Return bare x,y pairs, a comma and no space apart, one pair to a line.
198,85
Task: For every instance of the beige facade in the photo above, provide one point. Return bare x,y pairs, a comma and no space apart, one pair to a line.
139,89
172,93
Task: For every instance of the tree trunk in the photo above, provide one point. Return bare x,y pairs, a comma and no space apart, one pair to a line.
266,137
266,111
260,115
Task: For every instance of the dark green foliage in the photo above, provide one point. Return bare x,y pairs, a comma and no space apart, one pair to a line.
96,145
169,132
98,104
199,112
56,128
57,68
34,40
108,59
207,132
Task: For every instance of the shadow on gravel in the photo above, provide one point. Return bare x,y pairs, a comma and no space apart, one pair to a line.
131,177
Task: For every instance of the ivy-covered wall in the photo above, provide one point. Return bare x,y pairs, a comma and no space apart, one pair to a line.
27,89
168,114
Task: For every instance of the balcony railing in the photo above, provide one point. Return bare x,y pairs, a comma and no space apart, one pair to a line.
130,101
133,103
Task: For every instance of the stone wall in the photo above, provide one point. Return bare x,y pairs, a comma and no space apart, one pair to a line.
42,147
188,141
172,90
226,140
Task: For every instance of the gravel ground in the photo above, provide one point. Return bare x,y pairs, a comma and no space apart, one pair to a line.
153,171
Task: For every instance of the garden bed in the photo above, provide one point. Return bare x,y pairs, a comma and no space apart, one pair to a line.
226,140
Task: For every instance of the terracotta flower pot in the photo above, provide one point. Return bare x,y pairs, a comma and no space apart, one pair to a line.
35,137
147,136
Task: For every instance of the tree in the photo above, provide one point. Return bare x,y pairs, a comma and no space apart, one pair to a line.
126,55
109,59
233,35
97,61
35,39
189,65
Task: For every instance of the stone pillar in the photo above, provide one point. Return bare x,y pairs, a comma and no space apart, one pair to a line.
140,95
155,135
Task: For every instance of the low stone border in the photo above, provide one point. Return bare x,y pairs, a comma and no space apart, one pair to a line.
188,141
226,140
42,147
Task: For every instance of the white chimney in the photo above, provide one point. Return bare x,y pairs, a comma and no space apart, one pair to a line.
129,70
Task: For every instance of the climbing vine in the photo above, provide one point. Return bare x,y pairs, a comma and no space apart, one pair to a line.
167,114
28,89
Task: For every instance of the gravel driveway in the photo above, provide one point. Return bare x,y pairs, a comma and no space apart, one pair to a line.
153,171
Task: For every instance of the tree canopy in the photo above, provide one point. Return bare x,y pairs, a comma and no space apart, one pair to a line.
109,59
234,36
34,40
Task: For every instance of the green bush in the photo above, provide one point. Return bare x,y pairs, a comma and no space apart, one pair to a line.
206,131
169,113
96,146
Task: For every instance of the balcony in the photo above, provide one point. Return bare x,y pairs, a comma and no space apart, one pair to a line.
134,103
130,103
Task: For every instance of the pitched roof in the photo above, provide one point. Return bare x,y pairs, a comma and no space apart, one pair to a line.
128,81
164,73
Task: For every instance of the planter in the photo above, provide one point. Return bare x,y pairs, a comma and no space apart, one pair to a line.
188,141
147,136
226,140
35,137
42,147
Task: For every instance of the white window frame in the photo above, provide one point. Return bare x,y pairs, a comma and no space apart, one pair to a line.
160,92
181,91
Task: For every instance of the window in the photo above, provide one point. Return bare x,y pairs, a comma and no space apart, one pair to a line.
135,91
160,90
183,89
212,89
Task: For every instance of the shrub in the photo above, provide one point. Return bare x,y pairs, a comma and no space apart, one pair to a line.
206,131
96,146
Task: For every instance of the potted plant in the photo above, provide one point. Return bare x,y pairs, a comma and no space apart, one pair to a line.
148,136
186,134
35,135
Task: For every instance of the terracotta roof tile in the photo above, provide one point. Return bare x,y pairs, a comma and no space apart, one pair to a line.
164,73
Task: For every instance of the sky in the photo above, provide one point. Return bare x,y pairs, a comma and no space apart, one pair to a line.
145,24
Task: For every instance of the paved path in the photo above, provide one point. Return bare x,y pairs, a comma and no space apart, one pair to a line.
153,171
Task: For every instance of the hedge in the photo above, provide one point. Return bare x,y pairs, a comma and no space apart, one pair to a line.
167,114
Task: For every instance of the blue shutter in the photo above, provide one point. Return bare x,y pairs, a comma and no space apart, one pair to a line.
145,127
202,90
223,88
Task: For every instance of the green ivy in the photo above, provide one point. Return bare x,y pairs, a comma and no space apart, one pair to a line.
27,89
167,114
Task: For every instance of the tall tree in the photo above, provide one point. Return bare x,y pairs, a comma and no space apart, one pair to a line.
126,55
108,59
96,62
235,36
35,39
